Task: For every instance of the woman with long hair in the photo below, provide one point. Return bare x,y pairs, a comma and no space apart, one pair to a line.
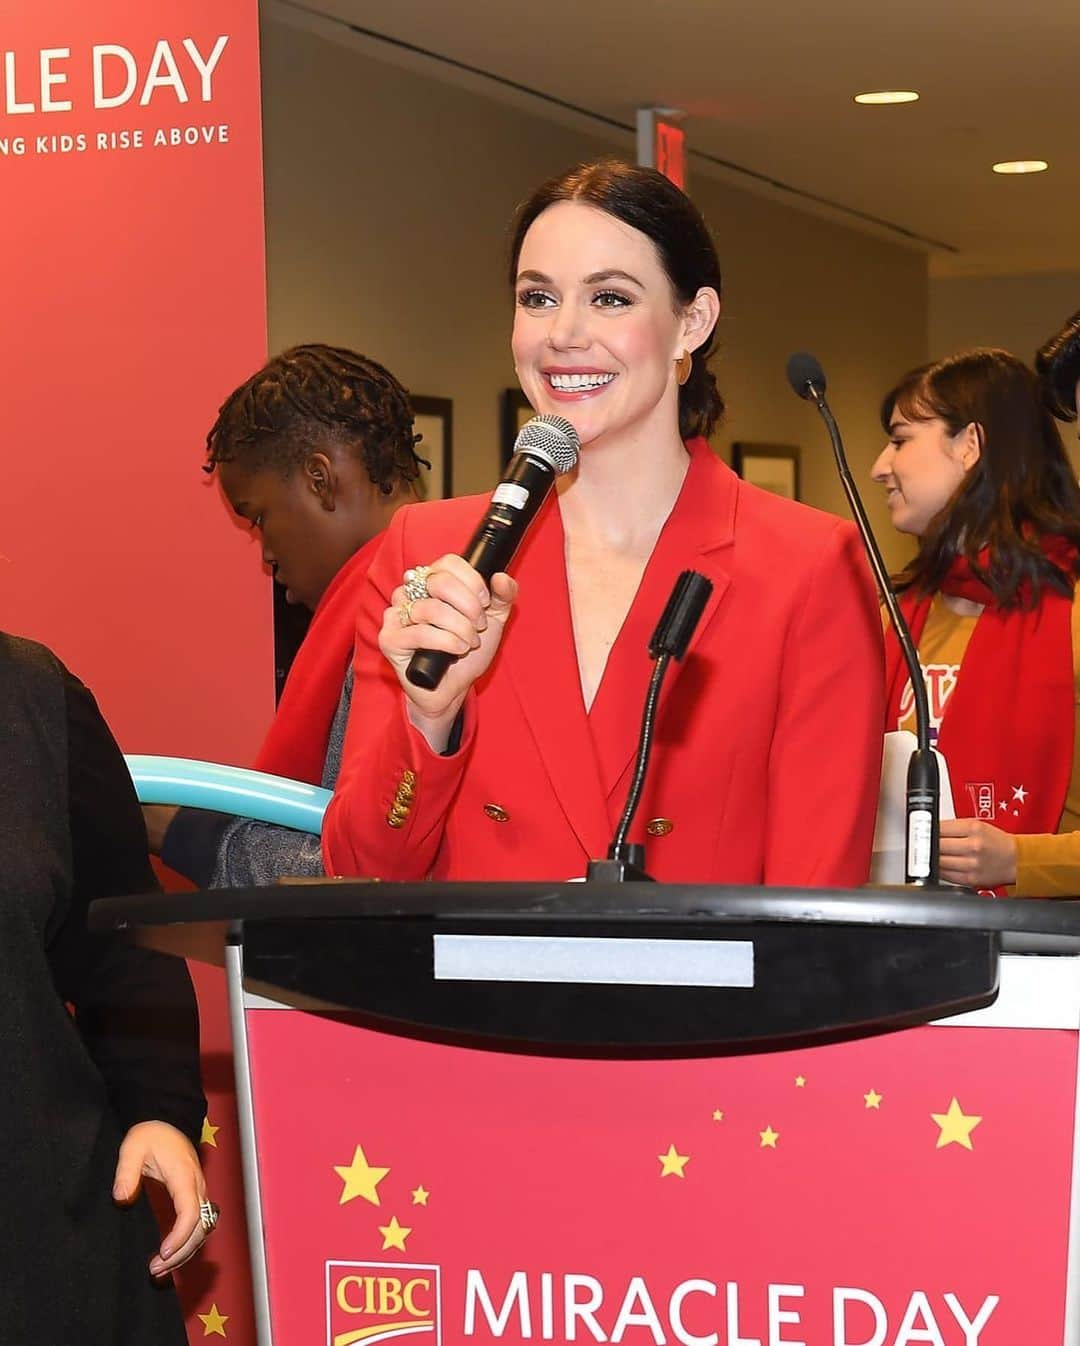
517,765
975,469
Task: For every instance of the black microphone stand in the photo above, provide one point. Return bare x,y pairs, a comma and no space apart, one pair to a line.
922,850
625,861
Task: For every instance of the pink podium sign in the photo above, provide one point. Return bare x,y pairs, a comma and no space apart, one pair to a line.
908,1188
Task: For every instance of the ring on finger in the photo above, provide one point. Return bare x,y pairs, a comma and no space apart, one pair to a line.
209,1211
405,616
416,582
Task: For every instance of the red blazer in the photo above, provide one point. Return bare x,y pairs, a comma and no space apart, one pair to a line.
767,754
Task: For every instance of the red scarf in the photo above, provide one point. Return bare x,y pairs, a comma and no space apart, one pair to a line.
1007,730
295,745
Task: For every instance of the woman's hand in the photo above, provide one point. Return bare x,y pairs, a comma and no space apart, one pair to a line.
158,1150
157,818
977,853
461,616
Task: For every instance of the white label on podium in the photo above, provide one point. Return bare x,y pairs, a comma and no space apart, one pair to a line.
594,962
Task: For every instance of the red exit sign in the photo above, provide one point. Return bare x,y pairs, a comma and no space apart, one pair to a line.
661,144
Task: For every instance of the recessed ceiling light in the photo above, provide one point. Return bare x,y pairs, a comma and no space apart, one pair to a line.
888,96
1022,166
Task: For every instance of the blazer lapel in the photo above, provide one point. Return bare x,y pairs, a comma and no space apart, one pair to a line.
698,535
537,656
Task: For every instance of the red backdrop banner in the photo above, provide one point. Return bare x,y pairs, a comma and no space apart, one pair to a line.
134,300
865,1193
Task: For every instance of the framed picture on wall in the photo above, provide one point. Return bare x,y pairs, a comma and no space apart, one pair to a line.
513,413
773,467
433,419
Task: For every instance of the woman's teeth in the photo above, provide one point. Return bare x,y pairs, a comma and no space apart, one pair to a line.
578,382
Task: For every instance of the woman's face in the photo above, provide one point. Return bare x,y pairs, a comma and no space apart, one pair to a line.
920,467
596,331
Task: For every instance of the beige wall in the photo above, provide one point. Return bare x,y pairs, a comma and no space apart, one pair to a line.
1015,312
389,191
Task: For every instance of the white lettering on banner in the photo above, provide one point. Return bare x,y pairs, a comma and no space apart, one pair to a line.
12,145
11,99
517,1291
675,1313
192,135
62,144
573,1310
778,1315
50,78
131,75
205,68
114,73
859,1317
637,1293
971,1327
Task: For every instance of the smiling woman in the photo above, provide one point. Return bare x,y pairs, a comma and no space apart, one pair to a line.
516,765
976,470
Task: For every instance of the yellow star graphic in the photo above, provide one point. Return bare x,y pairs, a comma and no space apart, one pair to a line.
209,1133
673,1163
956,1127
800,1081
718,1116
420,1196
873,1100
769,1137
213,1322
394,1234
360,1179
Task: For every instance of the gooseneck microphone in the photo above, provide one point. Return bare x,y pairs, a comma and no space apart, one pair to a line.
807,379
546,447
626,861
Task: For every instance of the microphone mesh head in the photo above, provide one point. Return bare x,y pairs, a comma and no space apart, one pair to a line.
804,371
551,438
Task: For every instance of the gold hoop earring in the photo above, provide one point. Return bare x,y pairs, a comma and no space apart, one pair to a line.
683,366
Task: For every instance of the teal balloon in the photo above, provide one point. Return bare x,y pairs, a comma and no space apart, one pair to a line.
229,789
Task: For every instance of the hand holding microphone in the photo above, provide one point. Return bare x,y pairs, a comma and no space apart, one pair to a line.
446,619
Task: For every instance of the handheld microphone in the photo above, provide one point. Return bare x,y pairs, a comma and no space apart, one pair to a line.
807,379
546,447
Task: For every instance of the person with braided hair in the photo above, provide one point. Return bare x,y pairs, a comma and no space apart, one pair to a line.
316,452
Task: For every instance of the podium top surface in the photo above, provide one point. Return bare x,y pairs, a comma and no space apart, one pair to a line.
634,903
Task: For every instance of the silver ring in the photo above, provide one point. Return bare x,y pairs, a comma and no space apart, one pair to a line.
416,582
208,1215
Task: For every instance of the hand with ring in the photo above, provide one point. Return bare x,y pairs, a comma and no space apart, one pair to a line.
158,1150
445,606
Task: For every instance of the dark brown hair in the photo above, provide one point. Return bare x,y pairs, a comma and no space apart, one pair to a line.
312,395
1057,362
1021,490
649,203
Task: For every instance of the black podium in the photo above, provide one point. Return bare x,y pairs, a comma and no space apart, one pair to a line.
801,1052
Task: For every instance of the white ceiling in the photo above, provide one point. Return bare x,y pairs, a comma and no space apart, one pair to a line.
768,86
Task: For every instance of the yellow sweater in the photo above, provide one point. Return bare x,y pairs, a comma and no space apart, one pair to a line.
1047,865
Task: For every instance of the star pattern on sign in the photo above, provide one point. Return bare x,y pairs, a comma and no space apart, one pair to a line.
769,1137
394,1234
800,1081
872,1099
420,1196
209,1133
717,1116
1003,806
360,1179
1019,793
213,1322
673,1163
955,1126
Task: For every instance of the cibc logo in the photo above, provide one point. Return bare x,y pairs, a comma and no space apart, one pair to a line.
370,1302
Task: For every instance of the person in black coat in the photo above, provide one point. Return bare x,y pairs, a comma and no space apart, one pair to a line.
99,1037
